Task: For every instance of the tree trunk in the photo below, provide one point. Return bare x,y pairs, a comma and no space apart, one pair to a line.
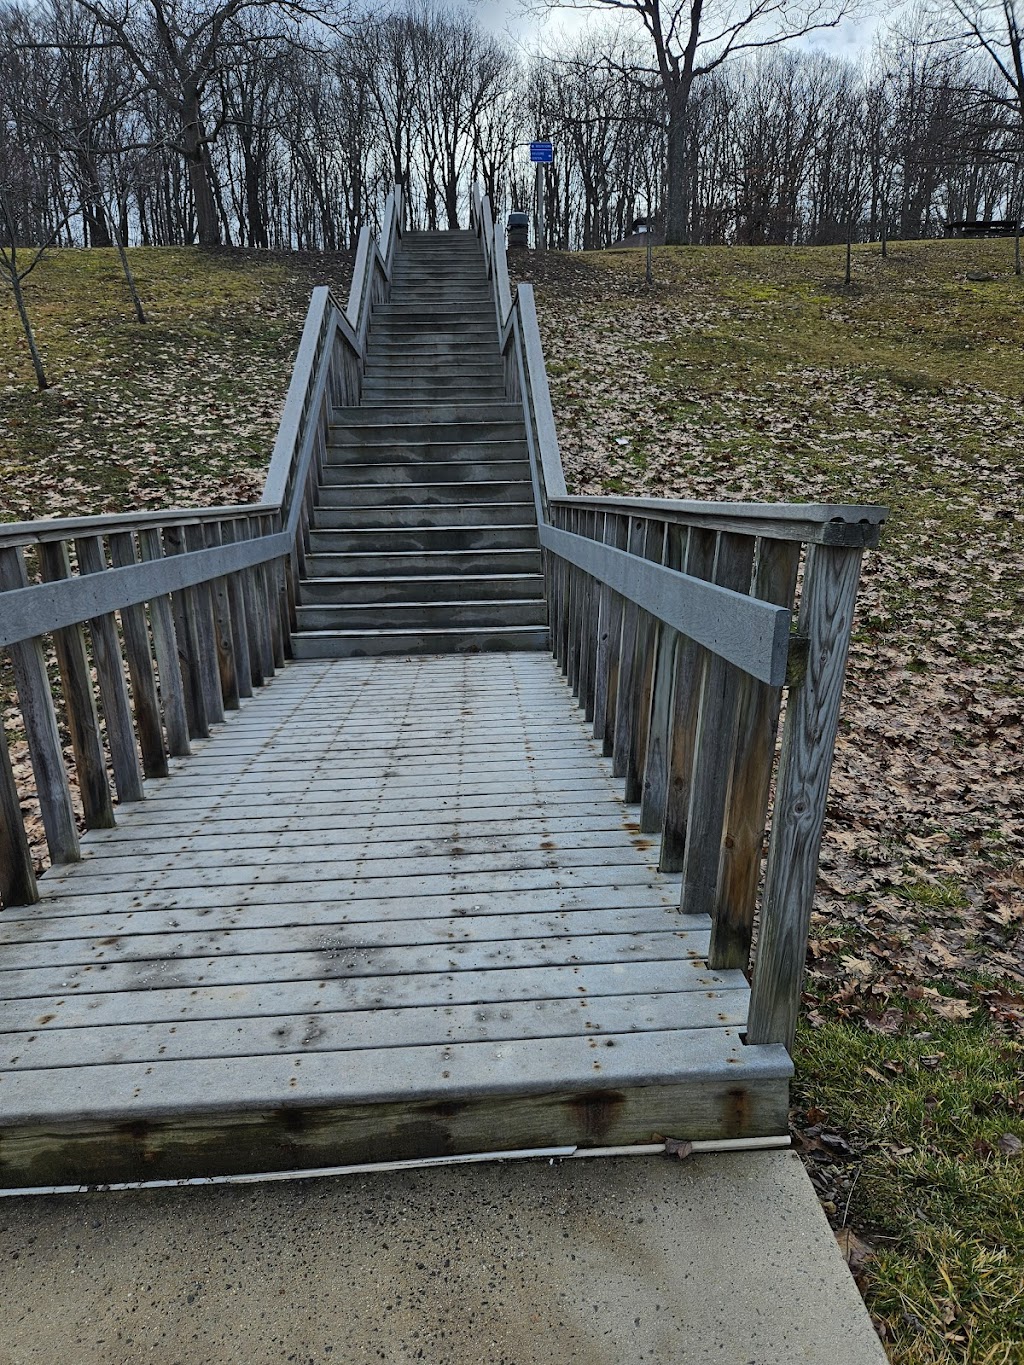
675,211
19,299
199,175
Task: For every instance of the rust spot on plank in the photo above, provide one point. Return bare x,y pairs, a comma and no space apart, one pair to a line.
736,1112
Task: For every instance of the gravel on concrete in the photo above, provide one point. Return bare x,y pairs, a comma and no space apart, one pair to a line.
718,1260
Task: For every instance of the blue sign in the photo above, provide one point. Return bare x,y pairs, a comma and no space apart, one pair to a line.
541,151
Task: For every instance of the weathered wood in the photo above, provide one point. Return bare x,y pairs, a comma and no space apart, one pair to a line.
239,623
260,654
643,675
588,655
349,1030
758,708
222,629
117,714
40,720
616,533
187,634
828,599
30,611
688,670
576,589
750,634
140,668
398,1104
654,790
625,710
714,744
807,523
80,703
17,875
168,662
206,635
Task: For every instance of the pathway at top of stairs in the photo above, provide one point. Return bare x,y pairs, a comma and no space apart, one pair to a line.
424,538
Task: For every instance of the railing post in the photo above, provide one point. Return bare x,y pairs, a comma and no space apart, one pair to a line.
827,603
609,645
80,702
187,634
206,634
715,744
140,667
117,711
37,712
687,670
655,781
17,875
756,725
647,633
168,662
625,710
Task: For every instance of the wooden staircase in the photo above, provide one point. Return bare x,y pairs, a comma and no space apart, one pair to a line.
424,535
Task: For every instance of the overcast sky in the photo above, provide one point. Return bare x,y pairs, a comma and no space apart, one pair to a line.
849,39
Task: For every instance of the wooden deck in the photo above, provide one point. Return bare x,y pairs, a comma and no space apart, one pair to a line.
394,908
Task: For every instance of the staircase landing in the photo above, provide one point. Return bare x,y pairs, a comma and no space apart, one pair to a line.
396,908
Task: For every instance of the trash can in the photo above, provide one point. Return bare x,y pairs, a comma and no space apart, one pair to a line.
518,229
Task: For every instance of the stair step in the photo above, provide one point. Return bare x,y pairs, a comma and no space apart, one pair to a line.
422,563
481,329
457,493
406,455
371,616
342,644
406,389
414,472
409,539
421,589
466,370
398,516
429,414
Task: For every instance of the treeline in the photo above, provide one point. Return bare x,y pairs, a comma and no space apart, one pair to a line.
261,125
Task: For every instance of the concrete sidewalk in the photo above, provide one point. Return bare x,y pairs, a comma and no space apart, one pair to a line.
719,1260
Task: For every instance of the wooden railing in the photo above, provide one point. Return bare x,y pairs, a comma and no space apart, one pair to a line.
197,603
686,629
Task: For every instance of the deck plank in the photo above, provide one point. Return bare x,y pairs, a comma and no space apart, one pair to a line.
393,907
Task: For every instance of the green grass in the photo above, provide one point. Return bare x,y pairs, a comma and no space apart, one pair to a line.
179,411
937,1198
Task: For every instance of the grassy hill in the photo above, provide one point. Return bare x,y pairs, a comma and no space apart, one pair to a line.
742,373
179,412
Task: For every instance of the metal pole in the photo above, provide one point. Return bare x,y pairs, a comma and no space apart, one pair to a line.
539,227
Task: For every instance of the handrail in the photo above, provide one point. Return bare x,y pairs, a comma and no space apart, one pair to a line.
673,622
206,599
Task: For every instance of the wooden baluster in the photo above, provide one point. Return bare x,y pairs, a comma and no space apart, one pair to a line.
624,708
117,711
689,667
647,631
168,664
239,624
827,602
561,635
140,667
17,875
259,641
588,642
757,722
40,720
261,584
222,625
270,573
80,702
714,744
654,792
186,624
572,671
616,533
209,671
